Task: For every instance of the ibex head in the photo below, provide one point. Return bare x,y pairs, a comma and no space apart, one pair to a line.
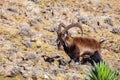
64,35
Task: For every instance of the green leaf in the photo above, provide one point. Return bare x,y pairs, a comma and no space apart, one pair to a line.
102,71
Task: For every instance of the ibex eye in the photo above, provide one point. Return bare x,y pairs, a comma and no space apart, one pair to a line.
65,35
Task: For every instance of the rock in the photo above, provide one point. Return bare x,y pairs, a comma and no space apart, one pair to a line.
37,36
49,76
51,29
26,68
25,30
94,1
38,18
74,76
82,68
82,19
58,70
116,30
36,71
48,59
36,1
15,70
109,21
62,62
2,70
38,51
37,59
8,67
46,76
13,49
55,54
32,22
24,73
30,55
27,42
72,63
12,9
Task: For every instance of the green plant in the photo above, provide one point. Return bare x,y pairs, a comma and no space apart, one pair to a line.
102,71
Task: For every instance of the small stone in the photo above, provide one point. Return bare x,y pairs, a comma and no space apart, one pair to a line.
24,73
38,18
13,49
74,76
48,76
82,19
32,22
36,1
37,36
51,29
12,9
37,59
14,71
27,42
1,69
25,30
116,30
8,67
109,21
36,71
30,55
62,62
38,51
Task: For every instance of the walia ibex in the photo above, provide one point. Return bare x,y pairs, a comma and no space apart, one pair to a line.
77,47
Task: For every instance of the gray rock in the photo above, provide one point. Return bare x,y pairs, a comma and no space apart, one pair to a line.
37,36
74,76
109,21
38,51
30,55
24,73
62,62
82,19
51,29
37,59
13,49
58,70
38,18
32,22
1,69
36,71
12,9
8,66
36,1
25,30
55,54
27,42
49,76
16,69
116,30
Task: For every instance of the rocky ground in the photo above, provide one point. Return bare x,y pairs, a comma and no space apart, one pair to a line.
28,36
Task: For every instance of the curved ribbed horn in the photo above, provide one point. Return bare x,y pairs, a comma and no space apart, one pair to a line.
73,25
59,27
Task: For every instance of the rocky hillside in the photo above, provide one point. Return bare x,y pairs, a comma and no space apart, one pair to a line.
28,36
